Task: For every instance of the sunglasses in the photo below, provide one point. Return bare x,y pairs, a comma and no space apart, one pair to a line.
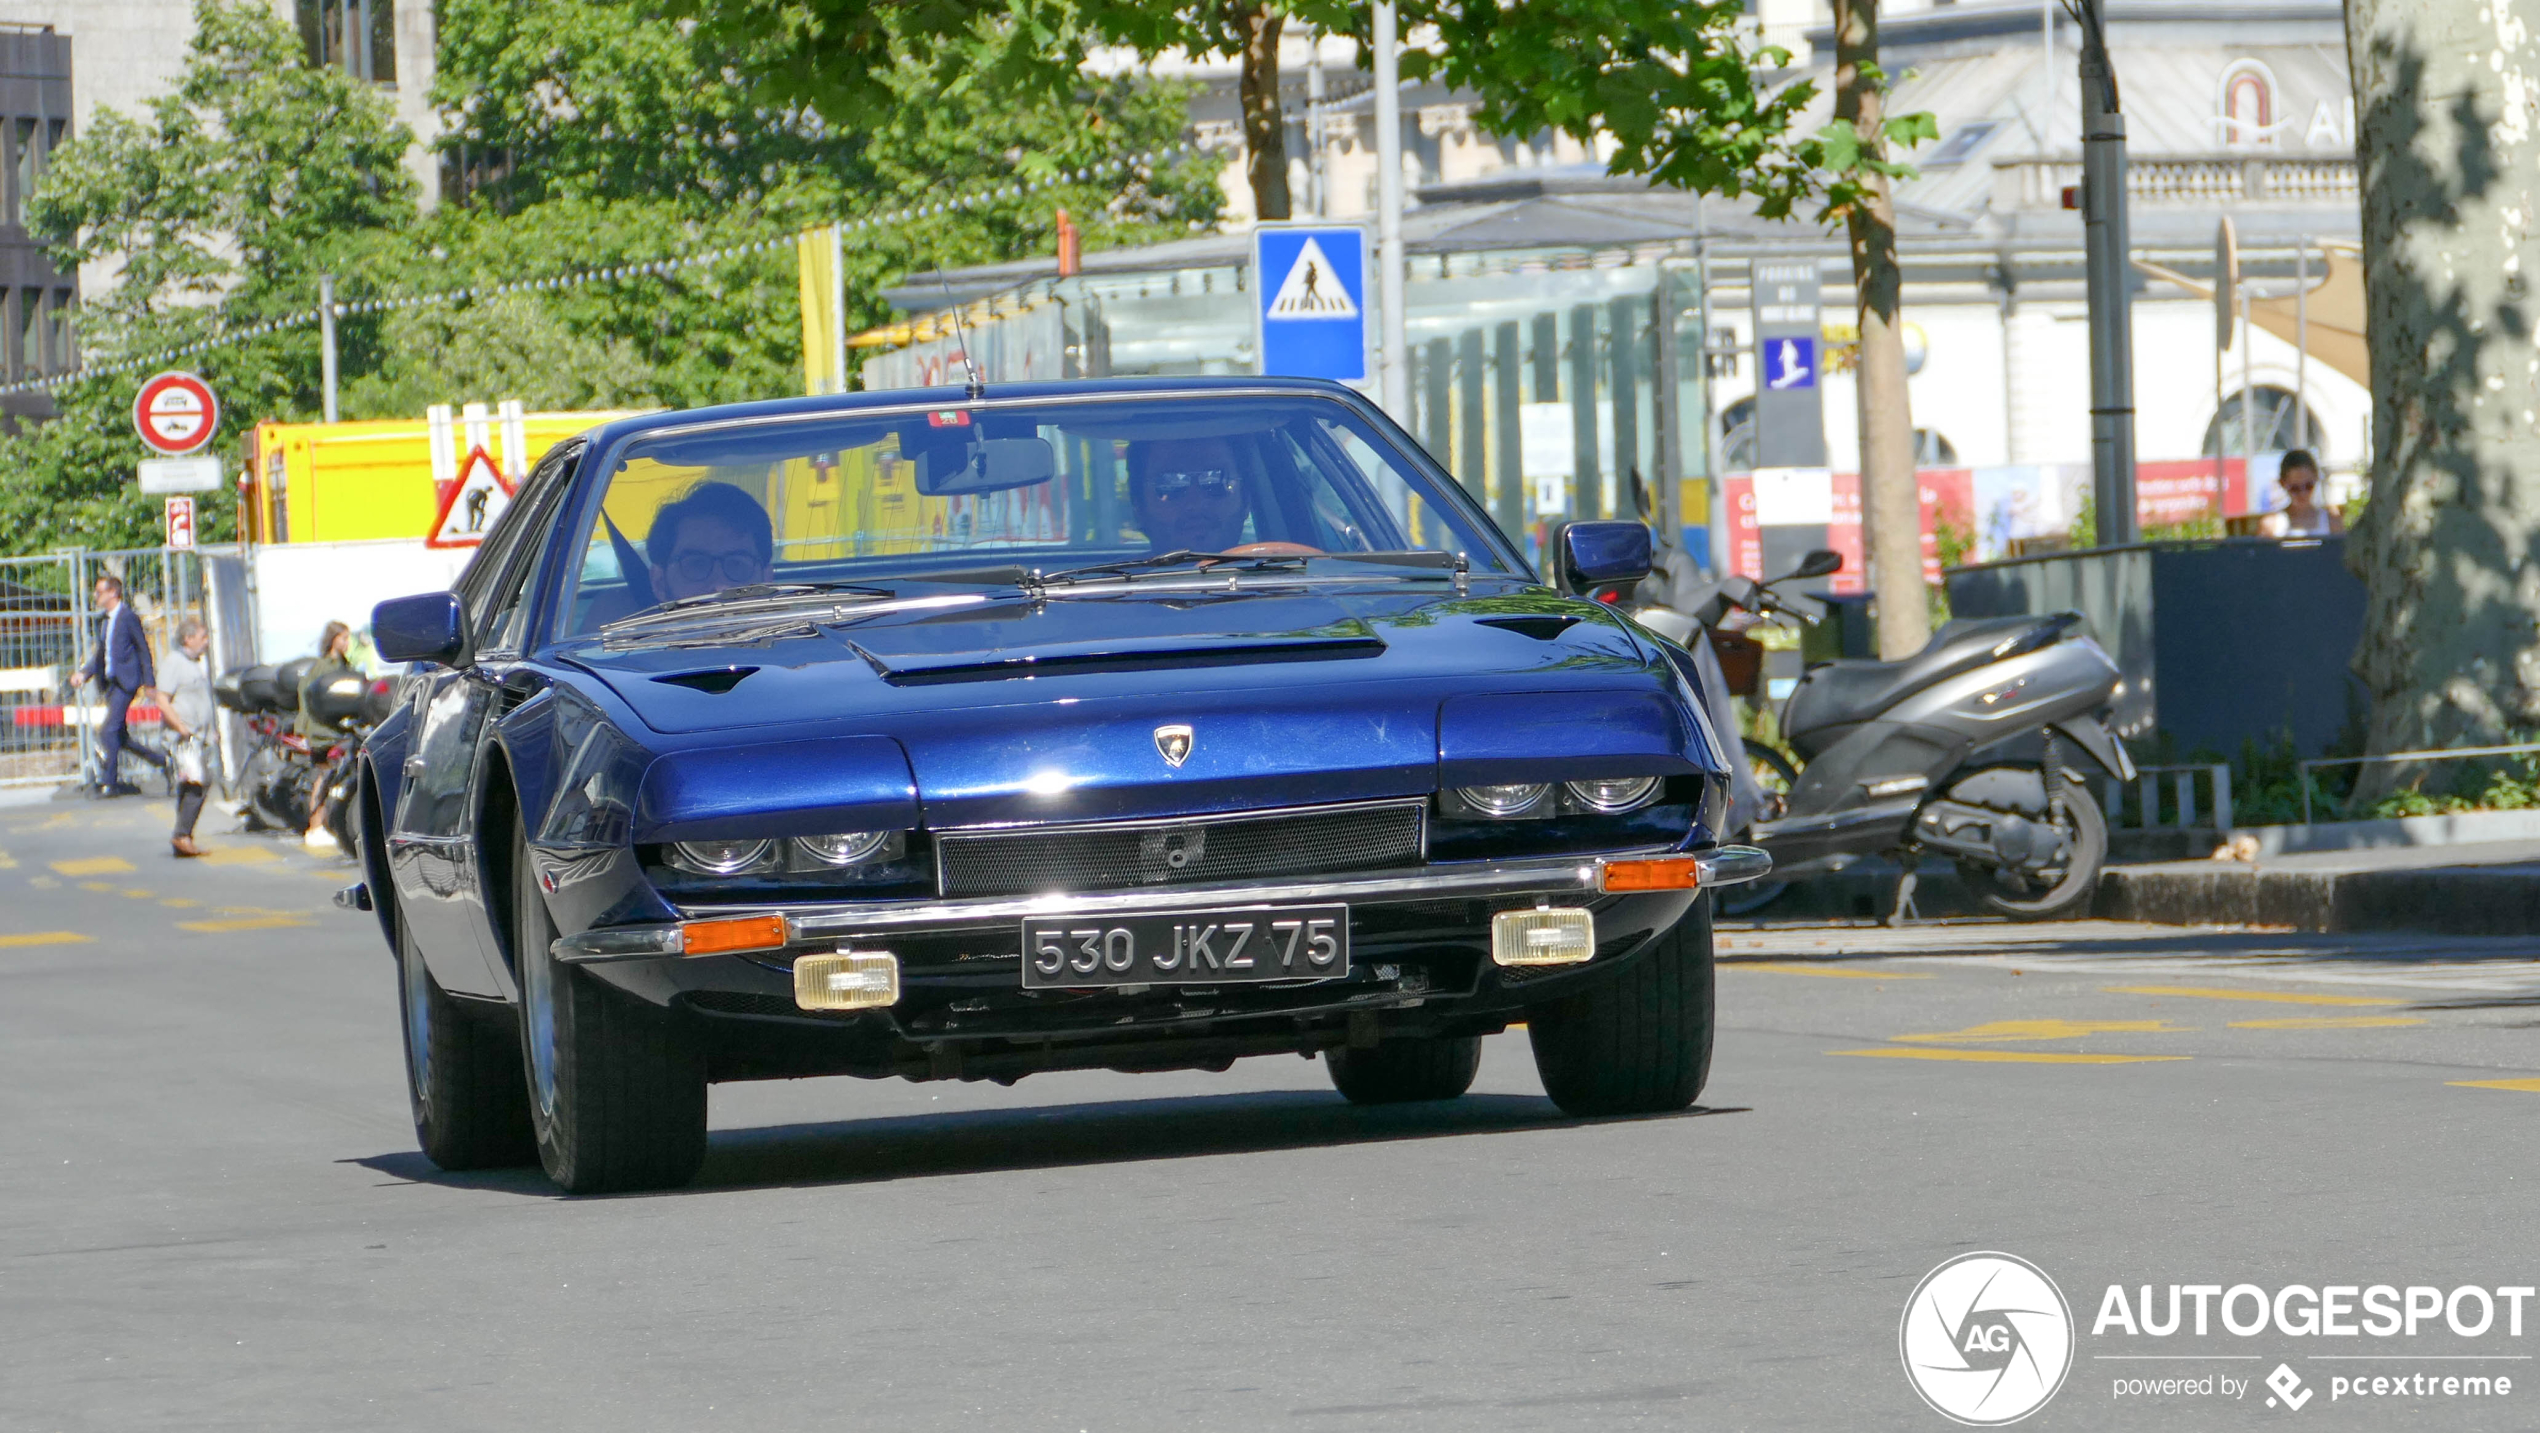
2300,487
705,566
1216,484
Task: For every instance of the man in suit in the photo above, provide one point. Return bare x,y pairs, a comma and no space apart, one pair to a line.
121,664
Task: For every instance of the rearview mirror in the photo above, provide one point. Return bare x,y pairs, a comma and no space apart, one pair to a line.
428,628
1603,554
995,465
1815,564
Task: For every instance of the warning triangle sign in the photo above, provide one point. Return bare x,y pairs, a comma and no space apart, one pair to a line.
1311,290
470,506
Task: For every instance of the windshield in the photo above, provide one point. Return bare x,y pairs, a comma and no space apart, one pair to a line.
944,494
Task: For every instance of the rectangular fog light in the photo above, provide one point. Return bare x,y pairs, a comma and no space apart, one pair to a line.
1542,937
847,980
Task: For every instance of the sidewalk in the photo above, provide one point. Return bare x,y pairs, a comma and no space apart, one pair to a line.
2483,888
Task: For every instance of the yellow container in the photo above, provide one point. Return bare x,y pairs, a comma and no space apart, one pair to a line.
341,482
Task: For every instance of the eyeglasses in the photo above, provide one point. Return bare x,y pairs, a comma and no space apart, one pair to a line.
706,566
2300,487
1215,484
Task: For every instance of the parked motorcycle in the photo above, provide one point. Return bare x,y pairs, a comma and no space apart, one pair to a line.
284,773
1966,750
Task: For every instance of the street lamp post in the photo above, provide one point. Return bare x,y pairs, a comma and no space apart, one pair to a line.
2103,217
1391,278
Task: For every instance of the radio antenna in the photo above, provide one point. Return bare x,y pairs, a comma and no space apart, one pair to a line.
961,335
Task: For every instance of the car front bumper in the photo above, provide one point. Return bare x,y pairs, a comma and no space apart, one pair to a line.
1552,878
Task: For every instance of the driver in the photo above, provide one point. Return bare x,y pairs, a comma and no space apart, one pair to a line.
1188,493
715,536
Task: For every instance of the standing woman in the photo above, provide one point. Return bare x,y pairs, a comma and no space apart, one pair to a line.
334,660
185,689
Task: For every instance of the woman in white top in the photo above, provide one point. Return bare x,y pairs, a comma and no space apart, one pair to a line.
185,704
2302,516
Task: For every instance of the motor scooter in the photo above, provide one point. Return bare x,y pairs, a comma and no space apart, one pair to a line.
1969,750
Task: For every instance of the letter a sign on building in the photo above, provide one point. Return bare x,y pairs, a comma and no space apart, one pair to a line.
1310,300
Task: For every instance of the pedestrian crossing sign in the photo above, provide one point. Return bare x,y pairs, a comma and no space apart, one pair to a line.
470,505
1309,284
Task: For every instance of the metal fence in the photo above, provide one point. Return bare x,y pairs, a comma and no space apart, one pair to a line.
48,630
2149,809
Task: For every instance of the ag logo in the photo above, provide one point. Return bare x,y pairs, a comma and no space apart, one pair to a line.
1173,743
1987,1339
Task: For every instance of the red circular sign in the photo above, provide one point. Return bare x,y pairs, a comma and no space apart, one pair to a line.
176,413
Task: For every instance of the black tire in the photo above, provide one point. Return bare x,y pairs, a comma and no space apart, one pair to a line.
617,1090
2061,894
1394,1072
1637,1042
463,1080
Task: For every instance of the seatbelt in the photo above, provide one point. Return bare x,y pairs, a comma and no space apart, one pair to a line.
639,579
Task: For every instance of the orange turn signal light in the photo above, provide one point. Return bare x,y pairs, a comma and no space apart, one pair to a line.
1665,873
726,937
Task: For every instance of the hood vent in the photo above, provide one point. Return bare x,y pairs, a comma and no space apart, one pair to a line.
1544,628
714,681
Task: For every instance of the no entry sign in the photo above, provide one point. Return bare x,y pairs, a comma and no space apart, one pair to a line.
176,413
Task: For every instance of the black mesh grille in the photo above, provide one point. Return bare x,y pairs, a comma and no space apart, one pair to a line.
1098,858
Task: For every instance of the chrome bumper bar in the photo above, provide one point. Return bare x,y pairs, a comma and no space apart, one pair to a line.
1563,876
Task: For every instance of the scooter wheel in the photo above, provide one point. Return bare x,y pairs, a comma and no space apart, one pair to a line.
2063,895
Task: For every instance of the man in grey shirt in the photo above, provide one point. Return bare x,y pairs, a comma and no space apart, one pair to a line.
185,688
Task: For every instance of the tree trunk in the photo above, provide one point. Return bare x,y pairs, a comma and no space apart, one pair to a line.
1265,126
2448,94
1891,500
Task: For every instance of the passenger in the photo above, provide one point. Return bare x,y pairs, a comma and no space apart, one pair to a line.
2299,475
714,537
1188,493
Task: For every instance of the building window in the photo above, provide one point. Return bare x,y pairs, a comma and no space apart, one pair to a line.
57,344
29,337
357,36
2275,422
23,159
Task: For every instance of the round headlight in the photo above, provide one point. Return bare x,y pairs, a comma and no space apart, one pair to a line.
1620,793
1503,800
847,848
722,858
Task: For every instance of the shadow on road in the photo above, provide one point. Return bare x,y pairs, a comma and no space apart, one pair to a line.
1044,1137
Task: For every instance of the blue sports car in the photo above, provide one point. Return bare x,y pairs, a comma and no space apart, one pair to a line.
964,734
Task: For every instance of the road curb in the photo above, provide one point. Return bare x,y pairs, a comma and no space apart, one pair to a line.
2445,900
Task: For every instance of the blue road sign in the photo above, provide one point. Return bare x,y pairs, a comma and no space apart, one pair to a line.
1310,300
1790,363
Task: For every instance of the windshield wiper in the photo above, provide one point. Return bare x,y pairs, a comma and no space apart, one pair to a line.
738,601
1441,562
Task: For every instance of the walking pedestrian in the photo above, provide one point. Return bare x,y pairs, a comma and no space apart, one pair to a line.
121,665
185,694
334,660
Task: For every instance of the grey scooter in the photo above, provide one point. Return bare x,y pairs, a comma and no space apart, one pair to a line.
1966,750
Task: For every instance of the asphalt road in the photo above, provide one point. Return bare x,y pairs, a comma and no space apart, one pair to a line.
212,1214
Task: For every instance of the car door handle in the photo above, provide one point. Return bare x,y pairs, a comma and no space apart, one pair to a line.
414,766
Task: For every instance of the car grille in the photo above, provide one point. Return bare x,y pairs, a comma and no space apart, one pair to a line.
1116,856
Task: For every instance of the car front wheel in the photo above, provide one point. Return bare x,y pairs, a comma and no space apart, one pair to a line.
1639,1042
617,1091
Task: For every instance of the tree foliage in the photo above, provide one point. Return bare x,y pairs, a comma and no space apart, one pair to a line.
631,139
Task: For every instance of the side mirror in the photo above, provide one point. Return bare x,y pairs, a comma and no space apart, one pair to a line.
994,466
428,628
1817,564
1603,554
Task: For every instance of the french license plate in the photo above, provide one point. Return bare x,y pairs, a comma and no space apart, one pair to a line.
1193,948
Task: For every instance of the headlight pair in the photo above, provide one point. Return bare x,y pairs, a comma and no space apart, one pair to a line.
1603,796
765,855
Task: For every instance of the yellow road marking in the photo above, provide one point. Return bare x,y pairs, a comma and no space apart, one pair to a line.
2009,1057
8,862
137,893
96,885
2528,1087
1830,971
179,902
2047,1030
44,883
93,866
2330,1022
272,922
236,856
2278,997
47,937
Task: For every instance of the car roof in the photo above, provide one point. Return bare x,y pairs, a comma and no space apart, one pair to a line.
955,396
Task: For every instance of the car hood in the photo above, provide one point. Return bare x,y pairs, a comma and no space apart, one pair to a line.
1011,708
